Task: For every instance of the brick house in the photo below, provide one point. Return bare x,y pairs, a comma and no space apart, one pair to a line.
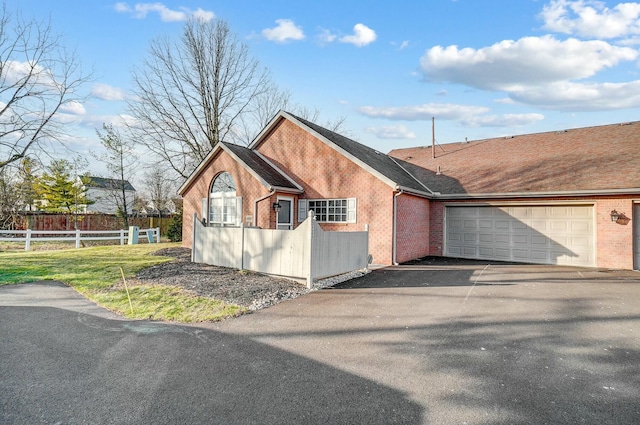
541,198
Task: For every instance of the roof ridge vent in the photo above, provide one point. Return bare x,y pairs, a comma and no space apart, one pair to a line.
561,131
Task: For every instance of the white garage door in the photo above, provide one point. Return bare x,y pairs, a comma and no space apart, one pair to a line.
555,234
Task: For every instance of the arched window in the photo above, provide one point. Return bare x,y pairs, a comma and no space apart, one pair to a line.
225,207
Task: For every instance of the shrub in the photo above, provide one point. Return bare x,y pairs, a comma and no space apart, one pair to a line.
174,232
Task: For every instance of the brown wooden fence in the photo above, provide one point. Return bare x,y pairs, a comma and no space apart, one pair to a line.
90,222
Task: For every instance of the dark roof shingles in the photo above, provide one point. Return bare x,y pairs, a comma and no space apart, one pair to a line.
269,174
378,161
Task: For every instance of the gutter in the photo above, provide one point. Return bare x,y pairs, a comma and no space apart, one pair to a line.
630,191
395,227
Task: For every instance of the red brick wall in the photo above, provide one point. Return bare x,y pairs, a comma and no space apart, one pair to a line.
324,173
246,186
412,227
614,241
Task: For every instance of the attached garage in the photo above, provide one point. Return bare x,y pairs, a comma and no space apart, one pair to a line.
545,234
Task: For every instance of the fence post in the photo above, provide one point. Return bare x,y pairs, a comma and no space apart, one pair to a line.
77,238
311,218
27,242
121,236
242,234
157,231
366,265
193,236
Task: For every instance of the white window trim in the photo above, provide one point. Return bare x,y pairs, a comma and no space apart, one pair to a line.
351,215
228,199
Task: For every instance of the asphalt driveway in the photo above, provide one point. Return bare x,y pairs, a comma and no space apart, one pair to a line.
428,343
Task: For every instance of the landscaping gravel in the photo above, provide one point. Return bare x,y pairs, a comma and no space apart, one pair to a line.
242,287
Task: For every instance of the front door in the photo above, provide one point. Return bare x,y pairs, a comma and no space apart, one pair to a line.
285,215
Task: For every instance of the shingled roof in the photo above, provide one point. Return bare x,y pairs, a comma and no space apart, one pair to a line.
105,183
377,161
266,171
601,159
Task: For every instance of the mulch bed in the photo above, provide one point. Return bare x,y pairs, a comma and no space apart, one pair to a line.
241,287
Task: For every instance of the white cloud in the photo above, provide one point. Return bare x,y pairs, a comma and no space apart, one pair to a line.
445,111
73,108
391,132
284,31
506,120
362,35
514,65
569,96
141,10
404,44
106,92
592,18
505,101
326,36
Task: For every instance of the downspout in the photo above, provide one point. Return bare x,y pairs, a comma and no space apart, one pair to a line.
395,226
255,206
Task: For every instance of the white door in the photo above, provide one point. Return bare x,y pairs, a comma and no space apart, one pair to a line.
636,236
550,234
285,215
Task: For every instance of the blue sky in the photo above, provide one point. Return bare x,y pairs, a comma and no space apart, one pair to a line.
481,68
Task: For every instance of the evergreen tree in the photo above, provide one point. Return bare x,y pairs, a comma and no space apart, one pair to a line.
59,191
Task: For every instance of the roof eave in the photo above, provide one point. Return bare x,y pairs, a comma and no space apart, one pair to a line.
411,191
203,164
286,190
600,192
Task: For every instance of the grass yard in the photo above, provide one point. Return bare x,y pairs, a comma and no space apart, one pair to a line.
95,273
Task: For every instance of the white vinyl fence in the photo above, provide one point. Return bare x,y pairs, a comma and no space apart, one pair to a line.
308,252
28,236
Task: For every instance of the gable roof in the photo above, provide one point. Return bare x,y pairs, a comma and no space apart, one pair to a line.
105,183
381,165
264,171
591,160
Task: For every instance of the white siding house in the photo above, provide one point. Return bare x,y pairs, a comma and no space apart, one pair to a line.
107,194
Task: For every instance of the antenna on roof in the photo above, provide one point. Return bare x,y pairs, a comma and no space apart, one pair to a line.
433,137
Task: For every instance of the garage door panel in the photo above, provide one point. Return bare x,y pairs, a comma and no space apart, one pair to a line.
502,224
581,226
503,254
470,250
539,256
485,224
486,238
539,240
550,234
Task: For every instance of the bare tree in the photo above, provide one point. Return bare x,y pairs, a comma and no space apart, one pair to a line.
9,198
38,77
120,160
192,93
159,188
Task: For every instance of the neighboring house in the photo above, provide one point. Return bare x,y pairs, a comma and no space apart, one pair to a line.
541,198
107,195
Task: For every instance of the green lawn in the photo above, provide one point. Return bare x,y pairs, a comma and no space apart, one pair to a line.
95,273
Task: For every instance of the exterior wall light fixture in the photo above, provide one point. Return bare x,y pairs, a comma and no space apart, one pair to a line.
615,215
276,206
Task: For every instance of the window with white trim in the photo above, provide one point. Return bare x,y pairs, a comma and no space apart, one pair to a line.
329,210
225,207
